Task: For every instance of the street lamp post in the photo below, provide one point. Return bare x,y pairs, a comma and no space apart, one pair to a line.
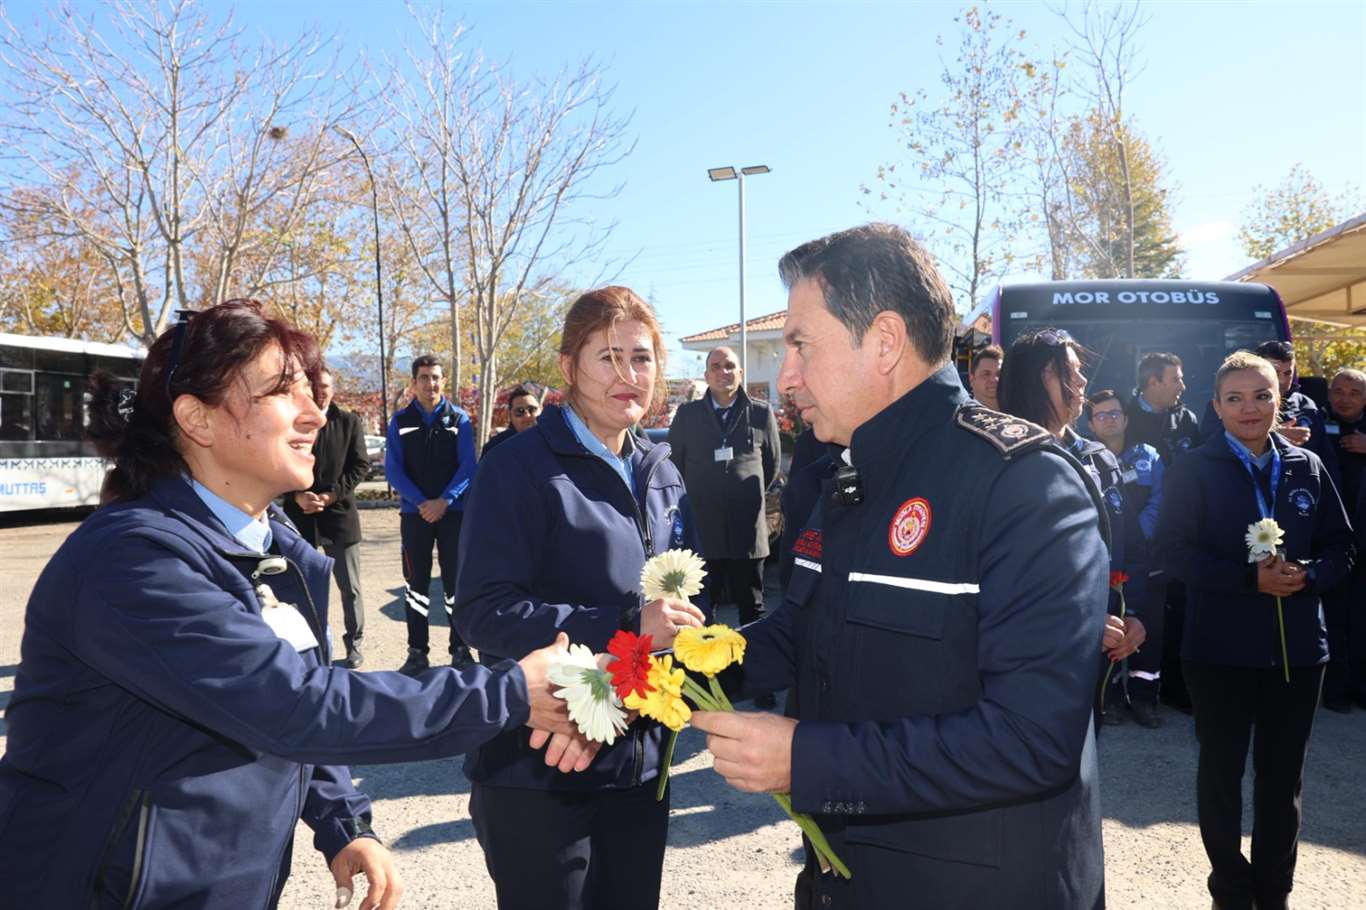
379,280
718,174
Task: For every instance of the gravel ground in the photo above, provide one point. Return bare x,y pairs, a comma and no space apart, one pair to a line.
1153,854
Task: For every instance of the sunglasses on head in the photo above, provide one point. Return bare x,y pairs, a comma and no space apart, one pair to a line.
525,410
1054,337
177,342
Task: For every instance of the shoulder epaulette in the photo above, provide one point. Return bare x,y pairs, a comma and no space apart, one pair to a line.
1009,435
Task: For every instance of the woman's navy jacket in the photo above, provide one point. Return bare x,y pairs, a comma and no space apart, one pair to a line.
164,742
554,542
1207,504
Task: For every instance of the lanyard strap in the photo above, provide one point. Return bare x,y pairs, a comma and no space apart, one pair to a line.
1267,511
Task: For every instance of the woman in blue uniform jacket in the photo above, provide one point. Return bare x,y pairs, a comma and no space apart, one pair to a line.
1232,653
1041,381
174,712
562,519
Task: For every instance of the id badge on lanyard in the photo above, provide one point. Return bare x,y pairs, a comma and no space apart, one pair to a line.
1267,510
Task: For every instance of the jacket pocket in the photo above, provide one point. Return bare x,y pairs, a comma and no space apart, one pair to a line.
973,837
123,863
887,606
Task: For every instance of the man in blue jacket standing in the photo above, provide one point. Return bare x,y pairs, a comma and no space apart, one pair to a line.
429,460
943,619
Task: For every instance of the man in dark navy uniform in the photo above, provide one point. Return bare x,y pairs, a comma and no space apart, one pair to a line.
1344,608
429,460
1156,416
941,626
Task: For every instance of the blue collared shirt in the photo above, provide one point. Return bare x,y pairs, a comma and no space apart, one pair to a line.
619,463
1261,461
252,533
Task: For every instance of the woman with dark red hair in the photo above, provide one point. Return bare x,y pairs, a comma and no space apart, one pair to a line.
175,712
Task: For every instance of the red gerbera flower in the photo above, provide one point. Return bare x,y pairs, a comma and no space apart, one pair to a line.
1118,578
631,669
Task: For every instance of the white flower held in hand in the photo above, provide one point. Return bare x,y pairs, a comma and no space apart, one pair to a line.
673,573
587,690
1263,539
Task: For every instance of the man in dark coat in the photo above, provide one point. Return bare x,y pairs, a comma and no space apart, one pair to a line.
727,448
326,515
943,619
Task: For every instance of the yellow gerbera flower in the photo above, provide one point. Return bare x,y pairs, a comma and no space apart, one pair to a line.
665,702
710,649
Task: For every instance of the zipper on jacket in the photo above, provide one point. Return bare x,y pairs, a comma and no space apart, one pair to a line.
312,608
289,840
135,798
139,847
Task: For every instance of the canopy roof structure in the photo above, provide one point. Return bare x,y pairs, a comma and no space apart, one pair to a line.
1323,278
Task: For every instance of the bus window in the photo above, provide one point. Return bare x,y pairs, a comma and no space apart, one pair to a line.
16,417
58,405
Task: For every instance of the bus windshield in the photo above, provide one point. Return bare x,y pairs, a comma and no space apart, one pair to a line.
1120,321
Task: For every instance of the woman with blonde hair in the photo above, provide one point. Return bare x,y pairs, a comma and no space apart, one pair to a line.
561,520
1254,645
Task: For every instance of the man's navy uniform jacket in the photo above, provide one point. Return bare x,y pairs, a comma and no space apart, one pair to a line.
942,638
558,546
164,742
430,455
1207,505
1172,432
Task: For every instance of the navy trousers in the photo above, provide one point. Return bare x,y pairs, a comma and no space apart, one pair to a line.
559,850
418,535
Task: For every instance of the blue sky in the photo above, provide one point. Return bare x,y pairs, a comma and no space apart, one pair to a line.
1232,93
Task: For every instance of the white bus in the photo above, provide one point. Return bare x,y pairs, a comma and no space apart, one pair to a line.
45,460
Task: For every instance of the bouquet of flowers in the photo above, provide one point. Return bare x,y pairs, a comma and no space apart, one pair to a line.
1264,538
630,677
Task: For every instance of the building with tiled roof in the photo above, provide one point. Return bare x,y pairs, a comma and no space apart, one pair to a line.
765,349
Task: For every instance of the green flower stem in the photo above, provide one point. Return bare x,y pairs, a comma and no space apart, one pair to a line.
1108,670
814,834
1280,621
719,694
699,695
668,763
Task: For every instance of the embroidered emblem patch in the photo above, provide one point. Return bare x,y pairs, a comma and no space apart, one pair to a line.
1303,501
910,525
808,544
675,527
1114,500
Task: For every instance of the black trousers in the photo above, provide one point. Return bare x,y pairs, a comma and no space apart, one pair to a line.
418,535
1344,612
1232,706
556,850
1173,679
1145,666
743,579
346,572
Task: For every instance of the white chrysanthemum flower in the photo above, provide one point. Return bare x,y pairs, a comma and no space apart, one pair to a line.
1263,539
673,573
587,690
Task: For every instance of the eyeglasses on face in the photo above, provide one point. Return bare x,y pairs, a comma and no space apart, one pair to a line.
1106,416
525,410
